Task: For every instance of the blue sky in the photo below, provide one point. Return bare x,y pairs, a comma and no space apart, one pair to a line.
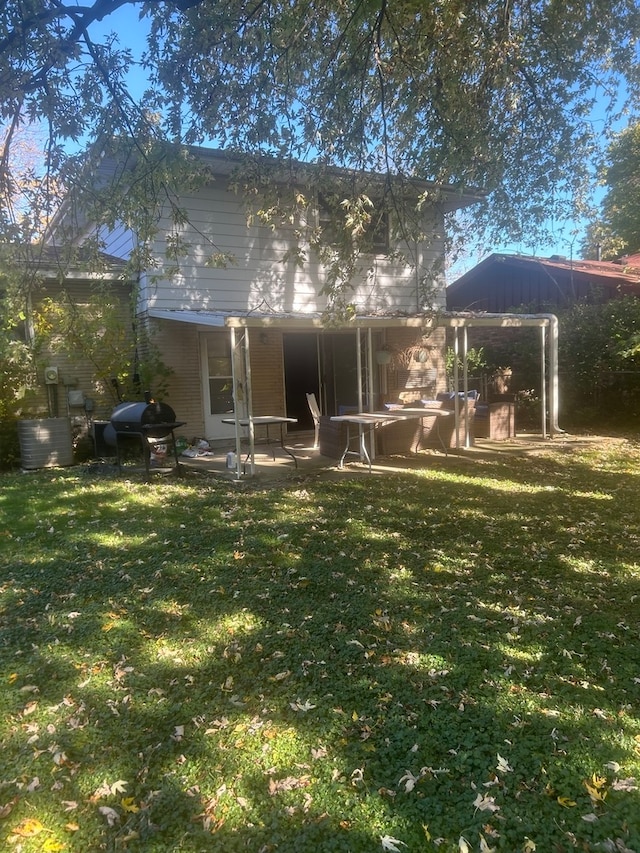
566,236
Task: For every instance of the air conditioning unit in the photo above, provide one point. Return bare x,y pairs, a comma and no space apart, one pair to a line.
51,375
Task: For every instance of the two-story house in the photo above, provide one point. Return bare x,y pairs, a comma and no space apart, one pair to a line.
255,333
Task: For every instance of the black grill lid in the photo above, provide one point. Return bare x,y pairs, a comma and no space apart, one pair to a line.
141,417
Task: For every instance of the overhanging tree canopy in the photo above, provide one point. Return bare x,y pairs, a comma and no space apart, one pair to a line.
496,94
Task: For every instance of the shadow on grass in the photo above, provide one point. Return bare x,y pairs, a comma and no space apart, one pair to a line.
325,665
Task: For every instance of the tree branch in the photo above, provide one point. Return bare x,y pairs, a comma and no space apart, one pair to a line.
82,18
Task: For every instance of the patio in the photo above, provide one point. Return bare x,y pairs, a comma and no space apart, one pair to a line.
310,460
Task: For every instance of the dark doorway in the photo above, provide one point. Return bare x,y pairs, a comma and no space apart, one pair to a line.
300,376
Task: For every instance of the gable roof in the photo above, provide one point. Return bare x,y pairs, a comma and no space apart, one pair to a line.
100,166
73,262
502,282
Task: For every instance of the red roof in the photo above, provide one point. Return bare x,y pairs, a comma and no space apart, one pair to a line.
500,282
626,269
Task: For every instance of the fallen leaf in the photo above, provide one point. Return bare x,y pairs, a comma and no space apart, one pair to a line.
301,706
566,803
52,846
281,675
503,765
111,815
289,783
28,827
389,843
409,781
624,784
357,777
485,804
484,847
6,810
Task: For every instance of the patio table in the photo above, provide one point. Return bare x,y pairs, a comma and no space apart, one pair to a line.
267,421
420,413
368,422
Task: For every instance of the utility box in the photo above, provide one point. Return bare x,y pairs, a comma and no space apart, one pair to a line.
45,443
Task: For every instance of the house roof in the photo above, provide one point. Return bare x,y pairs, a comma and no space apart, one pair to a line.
626,269
631,260
53,254
223,162
452,197
386,320
502,281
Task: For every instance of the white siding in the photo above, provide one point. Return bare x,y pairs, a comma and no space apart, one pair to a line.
259,279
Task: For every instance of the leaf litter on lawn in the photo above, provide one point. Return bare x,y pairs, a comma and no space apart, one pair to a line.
439,658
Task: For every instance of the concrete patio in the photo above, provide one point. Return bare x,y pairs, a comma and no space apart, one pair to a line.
310,461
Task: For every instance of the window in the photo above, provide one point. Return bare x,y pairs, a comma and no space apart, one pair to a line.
331,215
220,377
377,237
329,219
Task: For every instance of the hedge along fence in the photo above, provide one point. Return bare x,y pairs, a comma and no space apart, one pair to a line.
599,360
9,444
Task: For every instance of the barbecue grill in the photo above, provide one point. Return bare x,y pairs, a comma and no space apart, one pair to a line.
148,423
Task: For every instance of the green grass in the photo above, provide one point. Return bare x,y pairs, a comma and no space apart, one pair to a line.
440,660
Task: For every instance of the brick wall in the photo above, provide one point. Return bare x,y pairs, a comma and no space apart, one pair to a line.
267,372
178,343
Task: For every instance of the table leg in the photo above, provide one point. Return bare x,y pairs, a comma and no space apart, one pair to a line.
363,444
346,447
444,446
286,449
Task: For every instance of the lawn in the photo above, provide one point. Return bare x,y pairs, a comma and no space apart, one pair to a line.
446,659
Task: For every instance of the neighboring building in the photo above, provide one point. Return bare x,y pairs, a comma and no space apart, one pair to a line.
53,280
502,283
252,337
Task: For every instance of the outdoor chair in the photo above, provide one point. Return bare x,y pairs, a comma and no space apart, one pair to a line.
315,414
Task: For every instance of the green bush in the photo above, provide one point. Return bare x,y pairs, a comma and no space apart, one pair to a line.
599,358
9,444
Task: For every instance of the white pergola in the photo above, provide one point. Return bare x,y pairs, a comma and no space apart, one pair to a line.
364,327
239,325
